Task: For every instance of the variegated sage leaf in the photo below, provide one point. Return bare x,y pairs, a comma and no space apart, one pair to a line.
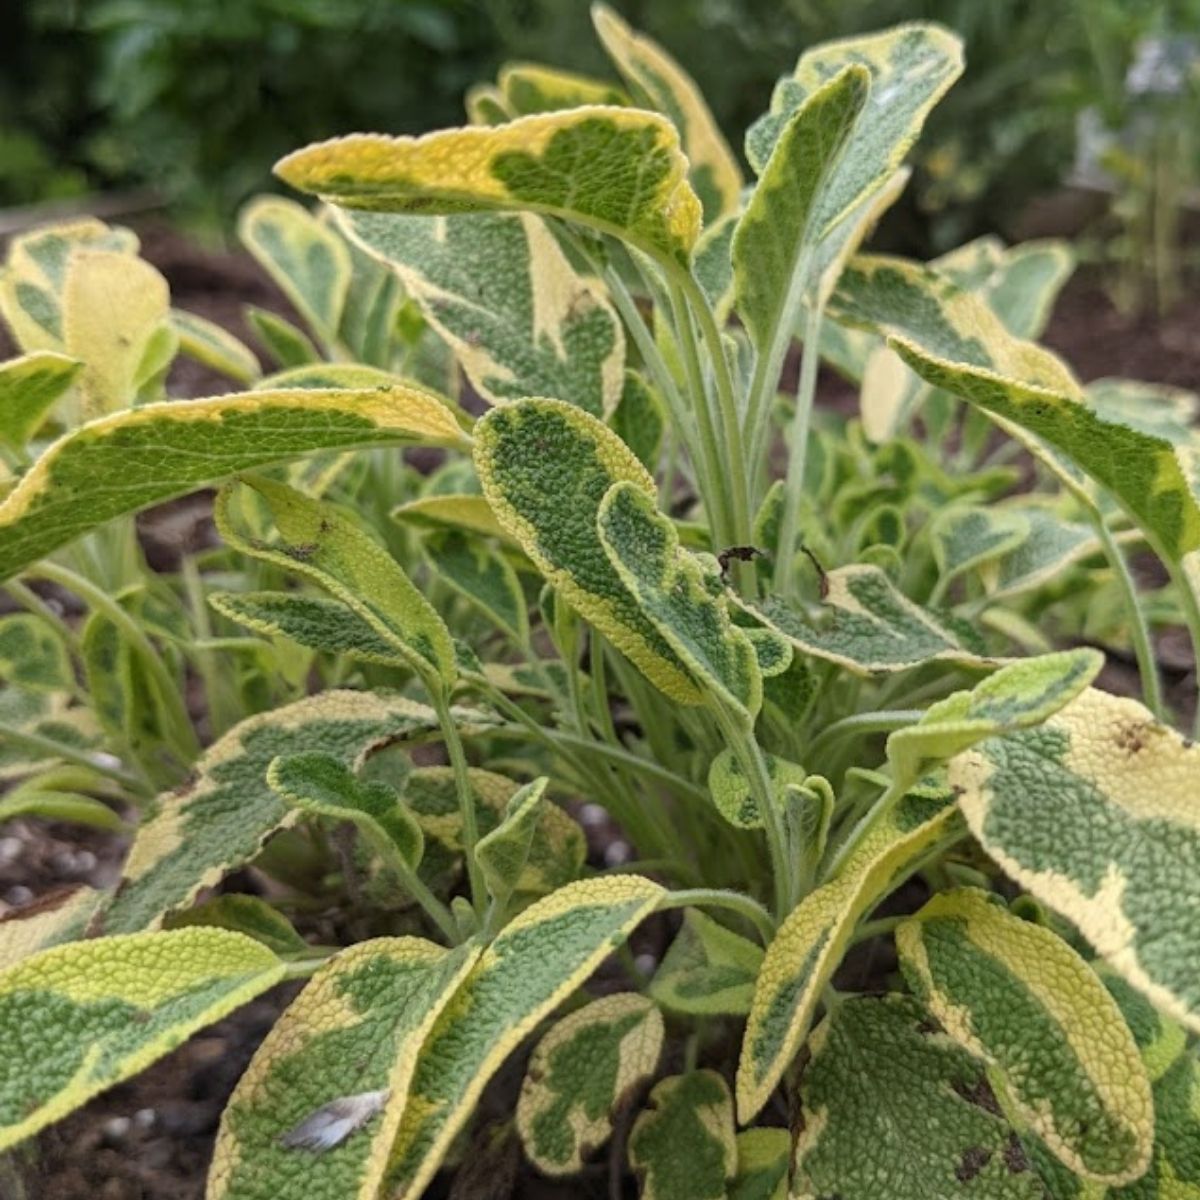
965,537
888,1097
707,970
681,595
30,386
812,940
683,1144
165,450
223,814
545,467
763,1157
498,288
322,784
289,346
1018,697
51,720
731,789
35,274
530,88
482,576
319,1105
313,621
1052,545
619,170
453,511
60,916
115,310
503,853
244,914
81,1017
320,543
911,67
773,265
871,627
308,261
32,654
525,973
1095,813
585,1068
486,104
556,851
1018,997
210,344
657,81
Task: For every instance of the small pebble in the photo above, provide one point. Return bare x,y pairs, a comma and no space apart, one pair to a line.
85,861
17,896
646,963
616,853
592,816
144,1118
10,848
115,1128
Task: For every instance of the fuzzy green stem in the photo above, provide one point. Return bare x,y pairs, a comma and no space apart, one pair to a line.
784,579
860,724
71,754
1139,631
735,902
466,796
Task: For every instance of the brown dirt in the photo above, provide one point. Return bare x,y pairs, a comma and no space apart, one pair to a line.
151,1138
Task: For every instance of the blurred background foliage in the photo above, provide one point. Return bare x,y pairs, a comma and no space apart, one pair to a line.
196,98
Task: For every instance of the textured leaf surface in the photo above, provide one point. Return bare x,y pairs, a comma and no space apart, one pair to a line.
308,261
129,460
683,1144
707,969
248,915
32,654
871,626
911,67
1019,696
731,789
556,851
618,170
583,1070
812,940
58,917
1095,813
81,1017
355,1030
224,813
503,853
682,595
887,1096
321,544
966,537
531,967
453,511
545,468
1017,996
501,292
659,82
487,579
773,260
29,388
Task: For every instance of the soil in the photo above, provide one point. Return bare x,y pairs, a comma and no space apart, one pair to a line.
151,1138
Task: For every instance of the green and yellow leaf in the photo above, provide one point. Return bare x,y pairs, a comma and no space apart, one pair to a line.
731,790
529,88
967,537
763,1157
707,970
682,1144
308,261
60,916
289,346
453,511
888,1100
224,813
49,719
318,1107
504,852
619,170
165,450
870,626
319,543
545,467
534,964
484,577
247,915
586,1068
812,940
657,81
681,595
1018,997
210,344
81,1017
30,386
1095,813
32,654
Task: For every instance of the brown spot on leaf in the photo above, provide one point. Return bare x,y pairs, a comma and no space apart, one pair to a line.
978,1093
974,1159
1015,1158
1131,735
